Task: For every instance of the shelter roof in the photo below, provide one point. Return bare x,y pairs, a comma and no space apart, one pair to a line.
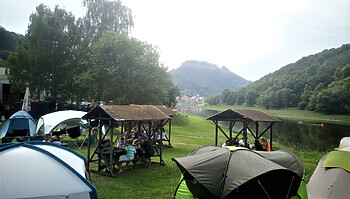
243,114
126,113
165,110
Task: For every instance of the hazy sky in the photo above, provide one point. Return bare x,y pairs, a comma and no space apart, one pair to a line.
250,37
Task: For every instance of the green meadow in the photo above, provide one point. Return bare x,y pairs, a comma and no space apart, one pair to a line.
188,133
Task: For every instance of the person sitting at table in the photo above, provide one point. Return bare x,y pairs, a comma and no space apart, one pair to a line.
236,142
144,133
130,154
265,144
129,135
148,148
244,142
121,142
258,146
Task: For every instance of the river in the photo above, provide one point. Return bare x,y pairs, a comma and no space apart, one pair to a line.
291,133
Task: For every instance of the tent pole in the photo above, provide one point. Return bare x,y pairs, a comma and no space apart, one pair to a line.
264,189
290,186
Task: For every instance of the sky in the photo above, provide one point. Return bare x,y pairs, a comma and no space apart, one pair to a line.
250,37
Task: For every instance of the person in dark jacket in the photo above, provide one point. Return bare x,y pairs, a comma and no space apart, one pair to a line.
148,148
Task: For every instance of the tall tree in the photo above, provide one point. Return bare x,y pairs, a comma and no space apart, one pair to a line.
123,70
102,15
48,59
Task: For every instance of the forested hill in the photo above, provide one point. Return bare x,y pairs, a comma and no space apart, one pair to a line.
195,77
8,42
319,82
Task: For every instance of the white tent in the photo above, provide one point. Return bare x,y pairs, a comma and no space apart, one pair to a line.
344,144
43,170
51,121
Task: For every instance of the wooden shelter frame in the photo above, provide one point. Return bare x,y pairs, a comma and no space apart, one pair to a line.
246,116
109,115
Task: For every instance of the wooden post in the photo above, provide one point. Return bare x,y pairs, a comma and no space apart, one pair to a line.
169,131
216,132
89,145
230,129
111,123
256,130
271,136
122,129
245,132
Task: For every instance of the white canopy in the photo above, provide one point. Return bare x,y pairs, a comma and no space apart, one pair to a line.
43,170
51,121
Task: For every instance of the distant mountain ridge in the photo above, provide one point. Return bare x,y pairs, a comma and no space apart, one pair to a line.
198,77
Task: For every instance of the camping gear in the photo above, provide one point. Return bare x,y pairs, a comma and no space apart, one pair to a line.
43,170
331,178
20,123
216,172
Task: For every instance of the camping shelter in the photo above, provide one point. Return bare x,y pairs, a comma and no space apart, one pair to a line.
246,116
125,116
70,120
20,123
331,178
216,172
52,121
43,170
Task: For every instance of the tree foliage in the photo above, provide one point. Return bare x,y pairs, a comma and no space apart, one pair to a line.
8,42
47,60
106,15
316,83
123,70
64,59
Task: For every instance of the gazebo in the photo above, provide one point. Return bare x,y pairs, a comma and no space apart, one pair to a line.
246,116
126,116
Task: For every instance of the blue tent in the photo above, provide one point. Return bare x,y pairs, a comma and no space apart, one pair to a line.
20,123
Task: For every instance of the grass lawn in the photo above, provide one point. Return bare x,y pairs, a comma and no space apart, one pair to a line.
188,132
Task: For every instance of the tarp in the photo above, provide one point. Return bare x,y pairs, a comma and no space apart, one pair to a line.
43,170
215,172
20,123
51,121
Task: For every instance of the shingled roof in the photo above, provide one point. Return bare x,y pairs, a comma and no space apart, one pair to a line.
127,113
243,114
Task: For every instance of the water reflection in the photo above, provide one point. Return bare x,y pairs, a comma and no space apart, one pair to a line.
290,133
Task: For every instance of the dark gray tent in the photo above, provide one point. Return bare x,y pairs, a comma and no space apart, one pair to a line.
216,172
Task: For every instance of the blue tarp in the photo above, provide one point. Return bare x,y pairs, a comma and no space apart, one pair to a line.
20,123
